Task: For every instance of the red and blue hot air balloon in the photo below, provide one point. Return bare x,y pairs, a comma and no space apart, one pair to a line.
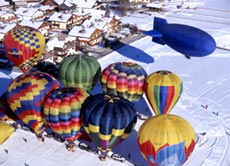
163,89
24,46
25,96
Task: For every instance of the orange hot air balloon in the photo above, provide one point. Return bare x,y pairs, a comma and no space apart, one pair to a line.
23,45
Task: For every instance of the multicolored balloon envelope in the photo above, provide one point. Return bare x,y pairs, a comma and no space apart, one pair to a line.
108,120
163,89
166,140
124,79
62,111
23,45
80,71
26,94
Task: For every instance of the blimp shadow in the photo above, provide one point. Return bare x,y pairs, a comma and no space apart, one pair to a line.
132,52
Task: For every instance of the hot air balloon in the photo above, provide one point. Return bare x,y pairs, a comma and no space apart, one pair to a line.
6,131
5,111
124,79
23,45
163,89
80,70
108,120
166,139
25,96
62,112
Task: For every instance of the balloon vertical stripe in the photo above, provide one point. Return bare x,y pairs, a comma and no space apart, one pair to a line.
80,71
163,90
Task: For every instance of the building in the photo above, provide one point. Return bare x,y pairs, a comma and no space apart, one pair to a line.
87,36
43,27
62,21
29,13
6,16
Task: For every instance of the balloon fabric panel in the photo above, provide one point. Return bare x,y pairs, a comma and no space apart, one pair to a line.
108,120
125,79
163,90
26,94
165,139
81,71
24,46
62,111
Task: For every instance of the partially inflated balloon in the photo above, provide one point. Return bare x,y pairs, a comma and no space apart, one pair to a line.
23,45
26,94
166,140
108,120
124,79
80,71
62,111
163,90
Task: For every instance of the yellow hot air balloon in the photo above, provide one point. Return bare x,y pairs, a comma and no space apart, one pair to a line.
166,139
163,89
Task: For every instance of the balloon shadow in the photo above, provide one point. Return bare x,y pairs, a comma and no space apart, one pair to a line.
130,150
132,52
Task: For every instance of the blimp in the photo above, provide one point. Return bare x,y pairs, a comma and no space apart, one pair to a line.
188,40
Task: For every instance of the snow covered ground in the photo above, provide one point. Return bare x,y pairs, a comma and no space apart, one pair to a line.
204,101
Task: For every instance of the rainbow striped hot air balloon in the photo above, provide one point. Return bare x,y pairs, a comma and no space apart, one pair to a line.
62,112
108,120
80,71
25,96
163,89
23,45
166,140
124,79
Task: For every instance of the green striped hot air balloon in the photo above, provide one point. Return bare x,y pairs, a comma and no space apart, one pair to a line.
80,70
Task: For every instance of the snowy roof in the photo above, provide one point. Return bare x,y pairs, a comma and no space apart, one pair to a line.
155,5
60,17
26,11
85,3
2,12
82,32
99,24
46,7
55,42
95,12
3,3
33,24
81,11
6,27
59,1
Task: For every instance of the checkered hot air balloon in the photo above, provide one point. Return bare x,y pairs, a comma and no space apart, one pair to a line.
23,45
62,112
124,79
108,120
80,71
166,140
163,89
25,96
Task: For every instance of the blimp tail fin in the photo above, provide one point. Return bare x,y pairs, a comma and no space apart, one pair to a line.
158,22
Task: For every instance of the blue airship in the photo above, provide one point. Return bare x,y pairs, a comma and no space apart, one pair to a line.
185,39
